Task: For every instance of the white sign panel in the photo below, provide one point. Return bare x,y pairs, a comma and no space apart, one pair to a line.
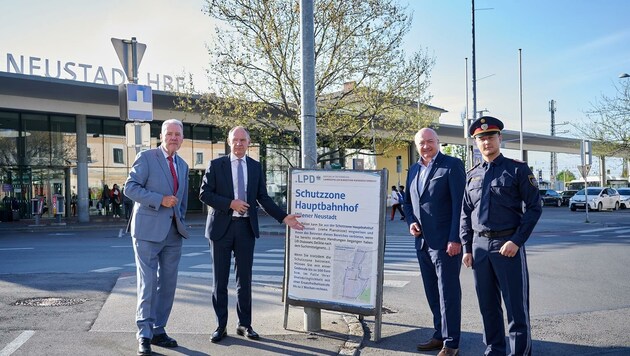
335,258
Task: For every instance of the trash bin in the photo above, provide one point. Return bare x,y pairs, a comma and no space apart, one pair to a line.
37,208
59,206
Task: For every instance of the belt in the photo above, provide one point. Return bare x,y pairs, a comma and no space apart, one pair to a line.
237,218
495,234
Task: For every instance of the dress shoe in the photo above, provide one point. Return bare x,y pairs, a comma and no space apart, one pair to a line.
163,340
247,331
218,334
447,351
431,345
144,346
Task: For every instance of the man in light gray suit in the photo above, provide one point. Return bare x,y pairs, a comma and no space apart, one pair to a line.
158,184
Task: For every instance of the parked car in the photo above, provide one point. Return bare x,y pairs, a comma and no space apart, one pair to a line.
566,195
624,197
550,197
598,198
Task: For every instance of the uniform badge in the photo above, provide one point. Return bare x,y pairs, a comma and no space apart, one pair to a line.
484,127
533,180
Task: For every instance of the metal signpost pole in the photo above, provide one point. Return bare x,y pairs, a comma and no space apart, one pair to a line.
587,160
312,316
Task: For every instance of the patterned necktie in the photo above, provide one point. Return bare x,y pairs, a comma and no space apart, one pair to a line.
172,167
484,204
240,181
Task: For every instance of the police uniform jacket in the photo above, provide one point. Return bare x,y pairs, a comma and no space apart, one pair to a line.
514,201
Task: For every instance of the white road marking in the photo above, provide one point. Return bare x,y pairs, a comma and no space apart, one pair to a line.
106,269
596,230
255,277
192,254
254,268
15,344
394,284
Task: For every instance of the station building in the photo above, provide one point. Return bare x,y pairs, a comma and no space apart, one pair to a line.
61,137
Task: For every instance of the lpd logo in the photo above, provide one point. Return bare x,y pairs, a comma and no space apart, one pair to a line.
307,178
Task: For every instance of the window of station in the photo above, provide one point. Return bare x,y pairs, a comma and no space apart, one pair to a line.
9,138
36,131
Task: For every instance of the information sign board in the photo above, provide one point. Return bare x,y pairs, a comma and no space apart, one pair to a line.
336,262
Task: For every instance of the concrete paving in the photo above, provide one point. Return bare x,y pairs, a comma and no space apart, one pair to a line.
192,319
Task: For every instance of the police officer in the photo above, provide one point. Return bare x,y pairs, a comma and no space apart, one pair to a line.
500,209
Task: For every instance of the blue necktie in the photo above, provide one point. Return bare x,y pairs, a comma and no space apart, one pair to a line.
484,204
240,181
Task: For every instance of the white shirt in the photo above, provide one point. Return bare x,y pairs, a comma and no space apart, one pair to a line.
234,163
174,159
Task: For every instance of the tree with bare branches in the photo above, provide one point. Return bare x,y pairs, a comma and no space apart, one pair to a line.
367,88
608,124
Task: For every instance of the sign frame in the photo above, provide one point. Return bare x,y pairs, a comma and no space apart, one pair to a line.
377,195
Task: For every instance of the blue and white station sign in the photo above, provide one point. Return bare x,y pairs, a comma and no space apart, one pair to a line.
136,102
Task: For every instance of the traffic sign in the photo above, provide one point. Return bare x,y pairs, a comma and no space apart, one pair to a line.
130,54
136,102
584,169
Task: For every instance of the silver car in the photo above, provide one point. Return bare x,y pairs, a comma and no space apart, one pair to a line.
599,198
624,197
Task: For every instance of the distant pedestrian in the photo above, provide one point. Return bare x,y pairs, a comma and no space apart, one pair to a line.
397,200
116,198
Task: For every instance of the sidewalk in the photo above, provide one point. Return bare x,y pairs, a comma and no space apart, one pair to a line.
192,320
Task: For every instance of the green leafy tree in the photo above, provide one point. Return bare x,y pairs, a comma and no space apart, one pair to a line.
565,176
367,88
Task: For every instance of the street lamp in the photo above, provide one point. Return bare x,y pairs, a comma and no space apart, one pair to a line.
624,75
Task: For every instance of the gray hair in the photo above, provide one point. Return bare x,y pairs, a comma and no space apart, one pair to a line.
171,121
231,133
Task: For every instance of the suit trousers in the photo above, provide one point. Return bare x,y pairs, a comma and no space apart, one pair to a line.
240,240
497,275
440,277
156,271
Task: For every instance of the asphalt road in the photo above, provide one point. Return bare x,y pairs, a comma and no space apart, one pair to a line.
580,295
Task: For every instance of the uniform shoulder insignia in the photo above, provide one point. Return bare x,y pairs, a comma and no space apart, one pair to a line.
532,180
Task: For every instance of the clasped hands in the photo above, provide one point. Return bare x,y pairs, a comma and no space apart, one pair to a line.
169,201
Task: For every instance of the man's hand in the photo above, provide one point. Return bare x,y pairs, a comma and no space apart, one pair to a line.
239,206
292,222
169,201
509,249
453,248
467,260
415,229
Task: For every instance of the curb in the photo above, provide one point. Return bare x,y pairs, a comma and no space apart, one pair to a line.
355,336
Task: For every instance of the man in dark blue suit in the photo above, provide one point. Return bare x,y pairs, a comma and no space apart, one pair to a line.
433,201
232,187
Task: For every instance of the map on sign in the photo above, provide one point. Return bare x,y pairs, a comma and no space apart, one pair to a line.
352,275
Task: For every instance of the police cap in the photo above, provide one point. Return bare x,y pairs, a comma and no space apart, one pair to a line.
485,126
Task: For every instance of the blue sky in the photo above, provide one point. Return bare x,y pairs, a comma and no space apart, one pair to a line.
572,50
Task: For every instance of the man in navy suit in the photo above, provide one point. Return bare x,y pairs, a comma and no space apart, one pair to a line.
158,184
232,227
433,201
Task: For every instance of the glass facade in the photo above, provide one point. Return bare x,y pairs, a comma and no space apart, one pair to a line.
38,159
